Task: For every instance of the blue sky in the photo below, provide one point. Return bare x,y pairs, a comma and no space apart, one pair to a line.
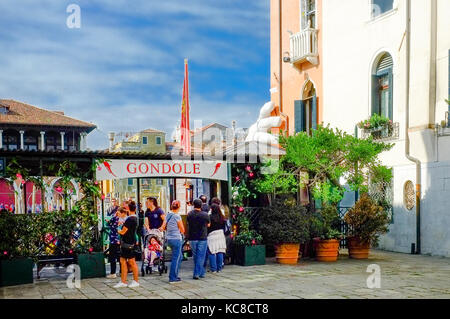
123,69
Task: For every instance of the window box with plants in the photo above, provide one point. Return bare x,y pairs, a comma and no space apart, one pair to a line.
378,126
285,225
248,250
367,221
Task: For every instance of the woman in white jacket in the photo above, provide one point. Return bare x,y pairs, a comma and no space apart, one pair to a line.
217,246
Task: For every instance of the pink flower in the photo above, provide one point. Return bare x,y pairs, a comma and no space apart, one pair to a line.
248,168
23,182
59,189
5,253
71,251
103,196
91,250
96,182
253,242
251,174
241,209
237,178
18,175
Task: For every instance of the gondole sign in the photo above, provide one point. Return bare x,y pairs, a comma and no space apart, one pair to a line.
118,169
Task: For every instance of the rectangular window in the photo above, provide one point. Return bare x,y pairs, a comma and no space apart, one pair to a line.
381,6
144,140
308,14
158,140
130,182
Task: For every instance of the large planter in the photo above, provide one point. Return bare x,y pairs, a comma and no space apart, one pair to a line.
327,250
356,249
92,265
250,255
16,272
287,253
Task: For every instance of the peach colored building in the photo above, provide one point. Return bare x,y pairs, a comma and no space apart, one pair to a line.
295,66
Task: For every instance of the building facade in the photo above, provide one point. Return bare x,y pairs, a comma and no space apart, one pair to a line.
375,62
296,63
28,128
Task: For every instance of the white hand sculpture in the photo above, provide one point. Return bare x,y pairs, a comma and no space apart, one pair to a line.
258,132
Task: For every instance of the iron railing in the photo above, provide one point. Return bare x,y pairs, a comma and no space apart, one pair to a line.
383,133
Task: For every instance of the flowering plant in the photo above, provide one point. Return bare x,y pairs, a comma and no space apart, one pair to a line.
375,121
246,237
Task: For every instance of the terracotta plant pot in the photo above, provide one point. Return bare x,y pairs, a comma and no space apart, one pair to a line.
356,249
327,250
287,253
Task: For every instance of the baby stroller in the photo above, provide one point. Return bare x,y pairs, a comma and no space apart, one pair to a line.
159,260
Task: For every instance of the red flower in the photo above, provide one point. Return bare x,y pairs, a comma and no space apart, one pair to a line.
71,251
237,178
251,174
91,250
18,175
103,196
241,209
23,182
248,168
59,189
253,242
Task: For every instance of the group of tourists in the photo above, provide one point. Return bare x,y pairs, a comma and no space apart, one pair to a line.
207,232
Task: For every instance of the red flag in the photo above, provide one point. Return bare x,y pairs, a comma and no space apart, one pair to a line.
185,127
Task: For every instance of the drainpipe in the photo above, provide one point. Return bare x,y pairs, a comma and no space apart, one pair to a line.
407,142
280,52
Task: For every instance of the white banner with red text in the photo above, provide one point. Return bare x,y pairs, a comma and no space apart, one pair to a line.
119,169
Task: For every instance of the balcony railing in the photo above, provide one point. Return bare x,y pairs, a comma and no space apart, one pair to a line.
382,133
304,46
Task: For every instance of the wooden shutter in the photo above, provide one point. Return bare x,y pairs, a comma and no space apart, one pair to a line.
375,95
391,94
314,113
299,114
303,20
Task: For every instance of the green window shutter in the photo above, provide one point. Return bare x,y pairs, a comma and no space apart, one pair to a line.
375,95
314,113
391,94
300,116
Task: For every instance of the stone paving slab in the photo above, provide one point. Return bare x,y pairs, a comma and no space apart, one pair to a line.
402,276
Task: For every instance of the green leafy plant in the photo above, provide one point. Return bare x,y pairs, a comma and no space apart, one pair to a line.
246,237
326,156
375,121
367,220
283,223
326,223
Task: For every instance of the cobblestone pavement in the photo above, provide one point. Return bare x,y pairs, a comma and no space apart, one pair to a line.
402,276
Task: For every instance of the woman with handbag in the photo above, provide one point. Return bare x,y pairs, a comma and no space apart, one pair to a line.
217,246
128,244
174,235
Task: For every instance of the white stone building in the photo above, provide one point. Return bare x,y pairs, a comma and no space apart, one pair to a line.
367,53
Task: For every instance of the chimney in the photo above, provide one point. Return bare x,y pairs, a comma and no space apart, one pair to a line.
111,140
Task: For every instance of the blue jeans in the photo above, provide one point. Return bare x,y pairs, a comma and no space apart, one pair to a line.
199,252
177,256
216,262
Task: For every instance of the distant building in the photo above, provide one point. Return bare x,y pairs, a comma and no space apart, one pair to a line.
27,127
24,127
149,140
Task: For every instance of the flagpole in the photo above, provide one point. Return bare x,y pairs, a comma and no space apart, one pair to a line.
188,126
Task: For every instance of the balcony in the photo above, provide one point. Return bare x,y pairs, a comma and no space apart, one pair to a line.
382,133
304,47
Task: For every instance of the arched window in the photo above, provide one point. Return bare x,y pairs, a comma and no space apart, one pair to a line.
381,6
31,141
11,140
52,141
305,110
382,86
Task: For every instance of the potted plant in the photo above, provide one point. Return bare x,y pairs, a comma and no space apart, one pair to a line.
325,229
285,225
377,125
367,221
16,268
248,250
